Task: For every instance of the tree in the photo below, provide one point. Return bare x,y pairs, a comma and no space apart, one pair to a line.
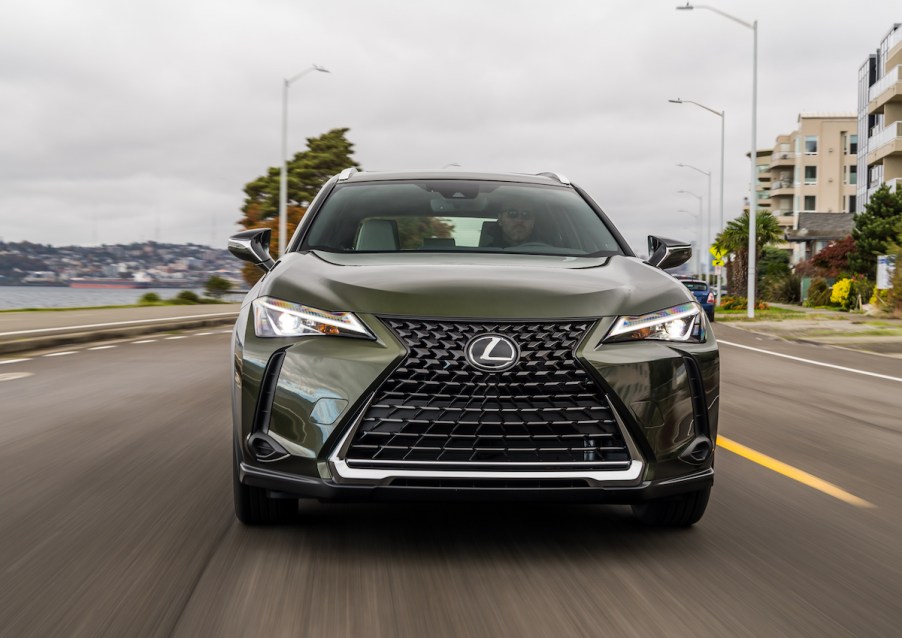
307,171
735,240
875,229
772,262
216,286
833,260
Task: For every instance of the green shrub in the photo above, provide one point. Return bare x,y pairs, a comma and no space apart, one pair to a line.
149,298
785,288
818,294
741,303
186,297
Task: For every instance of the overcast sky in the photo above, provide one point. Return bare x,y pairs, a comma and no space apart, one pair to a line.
134,120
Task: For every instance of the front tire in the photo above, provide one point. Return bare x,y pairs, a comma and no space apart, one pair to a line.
254,507
680,511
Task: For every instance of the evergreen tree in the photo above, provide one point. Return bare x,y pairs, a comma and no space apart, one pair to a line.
875,230
307,171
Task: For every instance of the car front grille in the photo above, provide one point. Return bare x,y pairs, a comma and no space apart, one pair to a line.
439,411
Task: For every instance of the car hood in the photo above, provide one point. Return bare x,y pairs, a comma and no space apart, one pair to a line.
461,285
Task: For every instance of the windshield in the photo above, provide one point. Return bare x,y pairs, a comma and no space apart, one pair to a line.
459,215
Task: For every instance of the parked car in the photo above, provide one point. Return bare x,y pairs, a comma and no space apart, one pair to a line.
440,335
703,294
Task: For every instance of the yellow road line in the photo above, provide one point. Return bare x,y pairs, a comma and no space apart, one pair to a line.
792,472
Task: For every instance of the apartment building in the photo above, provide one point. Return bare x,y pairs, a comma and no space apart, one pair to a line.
880,117
811,170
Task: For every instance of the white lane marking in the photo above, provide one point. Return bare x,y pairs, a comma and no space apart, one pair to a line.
119,323
177,337
14,361
203,334
814,363
60,354
145,341
11,376
101,347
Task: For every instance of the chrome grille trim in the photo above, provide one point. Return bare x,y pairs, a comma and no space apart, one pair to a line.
598,472
438,408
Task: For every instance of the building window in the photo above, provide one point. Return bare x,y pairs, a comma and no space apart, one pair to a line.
811,174
853,175
852,203
853,145
811,144
810,202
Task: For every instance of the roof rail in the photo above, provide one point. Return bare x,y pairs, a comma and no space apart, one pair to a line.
346,173
557,176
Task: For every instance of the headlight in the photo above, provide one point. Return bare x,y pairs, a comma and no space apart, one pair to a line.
277,318
680,323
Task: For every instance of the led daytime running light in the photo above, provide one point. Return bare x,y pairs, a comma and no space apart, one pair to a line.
279,318
632,324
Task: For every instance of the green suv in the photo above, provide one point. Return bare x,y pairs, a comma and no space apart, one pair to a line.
450,335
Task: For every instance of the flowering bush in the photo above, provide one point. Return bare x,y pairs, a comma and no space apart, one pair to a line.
840,292
850,293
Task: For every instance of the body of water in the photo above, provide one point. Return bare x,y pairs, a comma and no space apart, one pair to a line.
12,297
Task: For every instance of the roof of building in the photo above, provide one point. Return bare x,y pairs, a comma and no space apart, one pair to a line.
829,115
821,226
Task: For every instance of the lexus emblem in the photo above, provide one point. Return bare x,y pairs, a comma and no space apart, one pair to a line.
492,353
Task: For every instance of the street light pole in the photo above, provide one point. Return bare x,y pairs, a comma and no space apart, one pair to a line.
753,182
698,253
708,233
723,116
283,176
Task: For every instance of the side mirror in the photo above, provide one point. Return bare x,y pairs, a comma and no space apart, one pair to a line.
667,253
253,246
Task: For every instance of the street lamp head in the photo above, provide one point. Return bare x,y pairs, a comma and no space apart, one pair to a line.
676,101
321,69
686,7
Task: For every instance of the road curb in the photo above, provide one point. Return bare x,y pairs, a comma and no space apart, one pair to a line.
68,338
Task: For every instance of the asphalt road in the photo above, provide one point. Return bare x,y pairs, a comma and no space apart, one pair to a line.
116,518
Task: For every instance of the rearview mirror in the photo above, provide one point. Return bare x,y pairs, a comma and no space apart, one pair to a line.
253,246
667,253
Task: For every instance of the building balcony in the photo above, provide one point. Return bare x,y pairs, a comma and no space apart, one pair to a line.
886,142
783,158
886,89
782,188
785,218
894,44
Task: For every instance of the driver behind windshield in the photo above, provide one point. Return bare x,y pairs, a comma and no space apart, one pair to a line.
517,224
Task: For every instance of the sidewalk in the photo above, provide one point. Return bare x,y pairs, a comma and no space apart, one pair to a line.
30,330
877,335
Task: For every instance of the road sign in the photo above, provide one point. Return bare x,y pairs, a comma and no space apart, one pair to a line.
719,253
717,262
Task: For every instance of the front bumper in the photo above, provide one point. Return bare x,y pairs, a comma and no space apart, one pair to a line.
280,484
664,397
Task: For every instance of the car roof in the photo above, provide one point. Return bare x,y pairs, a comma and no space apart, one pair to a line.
546,179
687,280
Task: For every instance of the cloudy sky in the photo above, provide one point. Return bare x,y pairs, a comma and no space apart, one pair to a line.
133,120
